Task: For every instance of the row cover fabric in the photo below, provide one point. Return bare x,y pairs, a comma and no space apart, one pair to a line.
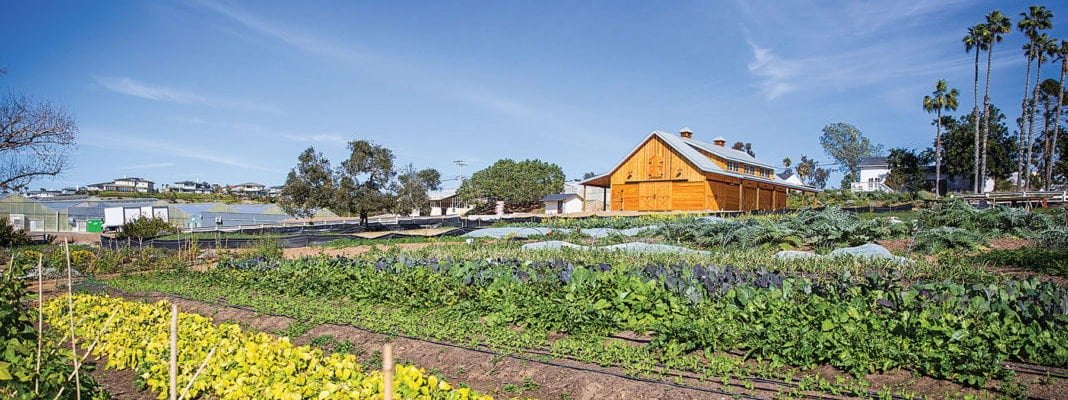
633,247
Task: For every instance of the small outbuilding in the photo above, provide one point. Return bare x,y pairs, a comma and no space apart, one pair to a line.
562,203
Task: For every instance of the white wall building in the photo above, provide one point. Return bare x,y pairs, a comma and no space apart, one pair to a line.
124,184
248,189
444,202
562,203
872,177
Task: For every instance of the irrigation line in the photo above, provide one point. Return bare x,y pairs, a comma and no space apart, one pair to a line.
541,352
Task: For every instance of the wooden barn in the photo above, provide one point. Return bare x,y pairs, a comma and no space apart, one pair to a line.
669,172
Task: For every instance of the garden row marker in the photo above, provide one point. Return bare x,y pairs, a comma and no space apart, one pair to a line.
387,372
40,323
174,352
70,306
196,374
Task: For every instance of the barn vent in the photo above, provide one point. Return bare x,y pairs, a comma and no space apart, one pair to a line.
719,141
686,133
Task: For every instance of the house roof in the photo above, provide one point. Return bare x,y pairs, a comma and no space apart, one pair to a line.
559,197
873,162
688,149
249,184
443,194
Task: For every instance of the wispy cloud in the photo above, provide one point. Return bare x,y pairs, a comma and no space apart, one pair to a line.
128,143
147,166
325,137
404,73
135,88
776,73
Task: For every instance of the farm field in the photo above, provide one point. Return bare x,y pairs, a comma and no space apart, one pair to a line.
970,304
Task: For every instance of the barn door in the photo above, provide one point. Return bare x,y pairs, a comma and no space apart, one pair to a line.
654,196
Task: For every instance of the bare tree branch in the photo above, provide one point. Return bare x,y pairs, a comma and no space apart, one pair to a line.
36,139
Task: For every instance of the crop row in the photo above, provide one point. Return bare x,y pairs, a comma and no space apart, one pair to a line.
134,335
861,325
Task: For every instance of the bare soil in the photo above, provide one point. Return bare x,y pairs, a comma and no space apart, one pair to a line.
505,376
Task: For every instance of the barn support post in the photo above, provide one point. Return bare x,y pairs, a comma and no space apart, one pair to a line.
604,199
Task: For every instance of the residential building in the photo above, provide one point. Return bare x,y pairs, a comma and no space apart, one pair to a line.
677,172
127,185
563,203
274,191
444,202
872,176
189,187
248,189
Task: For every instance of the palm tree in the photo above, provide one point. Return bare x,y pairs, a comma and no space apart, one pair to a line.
997,25
975,39
1061,53
1031,24
1039,47
943,98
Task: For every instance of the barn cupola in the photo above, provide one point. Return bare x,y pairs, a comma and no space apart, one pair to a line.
719,141
686,133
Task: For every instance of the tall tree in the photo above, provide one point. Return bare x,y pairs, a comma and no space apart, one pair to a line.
907,172
847,145
1035,20
976,40
309,186
1039,47
412,187
943,98
365,179
36,138
957,146
1061,53
517,183
1050,96
997,25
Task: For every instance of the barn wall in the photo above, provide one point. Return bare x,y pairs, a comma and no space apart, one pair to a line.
655,161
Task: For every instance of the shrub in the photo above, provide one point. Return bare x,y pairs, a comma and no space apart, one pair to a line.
11,237
145,228
947,238
1054,238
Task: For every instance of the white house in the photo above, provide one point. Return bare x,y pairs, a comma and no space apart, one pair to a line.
128,185
250,189
190,187
562,203
444,202
872,177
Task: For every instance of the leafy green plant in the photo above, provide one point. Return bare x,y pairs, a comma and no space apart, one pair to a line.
947,238
11,237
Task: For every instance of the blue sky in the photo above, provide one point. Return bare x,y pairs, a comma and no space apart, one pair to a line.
232,91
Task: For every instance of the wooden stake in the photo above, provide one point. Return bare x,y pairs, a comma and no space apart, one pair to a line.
40,324
387,371
173,393
70,306
196,374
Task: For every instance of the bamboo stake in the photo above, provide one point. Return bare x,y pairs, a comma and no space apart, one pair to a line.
173,393
40,325
74,373
387,371
70,306
197,374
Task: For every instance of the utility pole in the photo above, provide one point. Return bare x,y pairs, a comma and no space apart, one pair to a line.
461,164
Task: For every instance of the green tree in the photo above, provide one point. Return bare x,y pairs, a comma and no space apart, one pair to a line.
943,98
145,227
997,25
521,184
976,40
744,147
412,187
957,146
847,145
1060,53
1050,96
1031,23
907,170
1039,47
365,179
310,186
811,173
